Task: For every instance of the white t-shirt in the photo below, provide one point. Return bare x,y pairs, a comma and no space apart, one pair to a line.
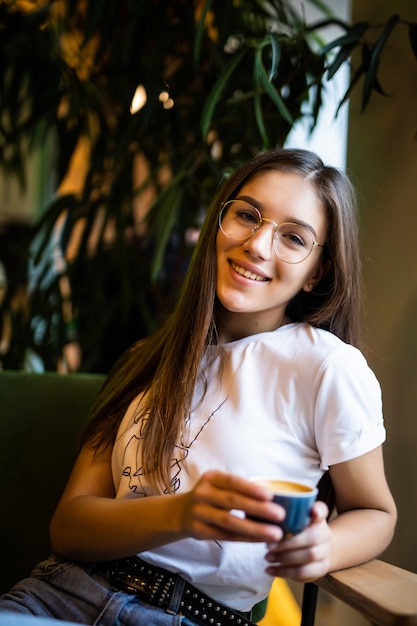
286,404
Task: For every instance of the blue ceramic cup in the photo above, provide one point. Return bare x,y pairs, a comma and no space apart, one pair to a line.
297,500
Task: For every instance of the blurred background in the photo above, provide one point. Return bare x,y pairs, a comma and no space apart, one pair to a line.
118,120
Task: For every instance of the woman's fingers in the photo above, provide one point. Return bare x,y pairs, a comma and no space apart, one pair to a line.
305,556
218,506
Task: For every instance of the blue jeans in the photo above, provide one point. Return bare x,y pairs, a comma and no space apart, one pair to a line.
67,591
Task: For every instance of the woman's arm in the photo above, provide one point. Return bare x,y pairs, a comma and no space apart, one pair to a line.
90,524
362,529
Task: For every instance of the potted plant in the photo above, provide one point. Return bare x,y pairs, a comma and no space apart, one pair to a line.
217,80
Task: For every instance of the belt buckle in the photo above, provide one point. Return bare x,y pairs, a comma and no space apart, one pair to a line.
176,595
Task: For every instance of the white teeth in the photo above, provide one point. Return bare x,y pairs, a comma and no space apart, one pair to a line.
247,274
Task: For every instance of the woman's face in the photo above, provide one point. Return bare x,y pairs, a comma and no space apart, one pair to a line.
253,285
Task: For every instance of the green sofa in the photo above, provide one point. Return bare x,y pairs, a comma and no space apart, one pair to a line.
41,416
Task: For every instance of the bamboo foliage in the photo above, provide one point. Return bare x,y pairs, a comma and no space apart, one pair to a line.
223,80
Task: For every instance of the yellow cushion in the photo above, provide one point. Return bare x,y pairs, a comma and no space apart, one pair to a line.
282,608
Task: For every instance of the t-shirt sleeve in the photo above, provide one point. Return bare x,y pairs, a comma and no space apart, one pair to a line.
348,416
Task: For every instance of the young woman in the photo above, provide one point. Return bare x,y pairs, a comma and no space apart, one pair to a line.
256,373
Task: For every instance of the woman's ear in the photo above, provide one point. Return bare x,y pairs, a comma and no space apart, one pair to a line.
317,275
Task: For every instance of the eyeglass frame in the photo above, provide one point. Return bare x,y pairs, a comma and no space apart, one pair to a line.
258,226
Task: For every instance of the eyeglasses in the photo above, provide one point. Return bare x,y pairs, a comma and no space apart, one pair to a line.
292,242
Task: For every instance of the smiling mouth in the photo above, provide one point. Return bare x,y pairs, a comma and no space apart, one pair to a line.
247,274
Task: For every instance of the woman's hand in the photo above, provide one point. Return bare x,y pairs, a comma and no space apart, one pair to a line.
362,528
214,508
306,556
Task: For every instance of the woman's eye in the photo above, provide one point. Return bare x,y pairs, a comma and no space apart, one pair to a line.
295,235
247,217
293,239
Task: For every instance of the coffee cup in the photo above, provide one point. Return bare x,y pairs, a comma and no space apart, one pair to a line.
296,498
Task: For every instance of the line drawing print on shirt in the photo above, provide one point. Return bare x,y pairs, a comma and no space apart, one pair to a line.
182,450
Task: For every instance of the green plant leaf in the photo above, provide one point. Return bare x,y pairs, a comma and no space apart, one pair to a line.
352,37
412,35
217,90
263,79
259,117
316,106
353,82
200,32
324,8
166,208
370,78
276,55
342,56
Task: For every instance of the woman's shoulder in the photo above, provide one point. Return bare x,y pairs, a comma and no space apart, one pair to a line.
307,345
304,337
321,344
298,343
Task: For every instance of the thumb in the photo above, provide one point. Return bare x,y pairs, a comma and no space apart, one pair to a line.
319,512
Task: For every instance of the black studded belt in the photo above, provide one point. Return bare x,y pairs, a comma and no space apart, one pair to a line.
169,591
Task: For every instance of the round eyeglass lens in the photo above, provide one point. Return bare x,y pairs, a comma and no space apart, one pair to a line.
292,242
238,220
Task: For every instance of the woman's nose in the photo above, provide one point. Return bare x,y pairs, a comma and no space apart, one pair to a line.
260,243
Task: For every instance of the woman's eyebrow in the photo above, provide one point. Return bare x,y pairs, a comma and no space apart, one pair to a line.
258,205
255,203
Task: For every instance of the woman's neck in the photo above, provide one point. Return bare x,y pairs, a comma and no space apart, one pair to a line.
234,326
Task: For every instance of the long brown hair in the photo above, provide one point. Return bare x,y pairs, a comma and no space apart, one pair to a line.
166,365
